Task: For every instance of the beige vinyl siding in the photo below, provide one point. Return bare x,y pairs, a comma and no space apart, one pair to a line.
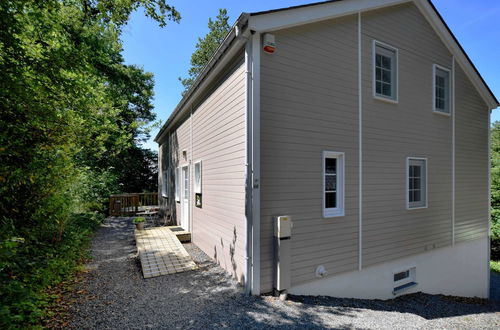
471,126
219,141
309,105
393,132
215,134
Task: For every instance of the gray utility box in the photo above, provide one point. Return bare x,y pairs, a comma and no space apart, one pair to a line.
282,252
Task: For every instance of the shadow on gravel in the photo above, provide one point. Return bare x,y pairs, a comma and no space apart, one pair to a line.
118,297
424,305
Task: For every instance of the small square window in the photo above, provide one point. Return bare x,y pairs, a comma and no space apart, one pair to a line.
385,71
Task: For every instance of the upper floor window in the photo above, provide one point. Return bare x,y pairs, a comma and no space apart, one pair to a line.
385,72
416,183
333,184
442,93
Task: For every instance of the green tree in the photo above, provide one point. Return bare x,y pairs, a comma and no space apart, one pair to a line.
495,180
206,47
72,116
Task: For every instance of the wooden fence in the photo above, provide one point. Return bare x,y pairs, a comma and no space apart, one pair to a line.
130,204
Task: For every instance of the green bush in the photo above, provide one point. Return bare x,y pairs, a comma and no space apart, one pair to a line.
139,219
28,267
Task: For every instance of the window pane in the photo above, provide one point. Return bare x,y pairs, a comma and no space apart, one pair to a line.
378,74
378,60
386,76
330,182
386,90
330,165
379,87
386,62
416,171
417,196
330,200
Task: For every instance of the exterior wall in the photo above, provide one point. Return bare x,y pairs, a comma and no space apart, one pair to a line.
393,132
216,135
465,262
309,104
471,144
219,141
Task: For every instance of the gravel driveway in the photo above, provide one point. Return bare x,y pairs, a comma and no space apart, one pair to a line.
117,297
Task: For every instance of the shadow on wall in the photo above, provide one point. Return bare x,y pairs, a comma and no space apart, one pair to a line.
232,255
170,162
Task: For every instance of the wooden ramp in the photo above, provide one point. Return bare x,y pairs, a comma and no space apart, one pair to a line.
161,253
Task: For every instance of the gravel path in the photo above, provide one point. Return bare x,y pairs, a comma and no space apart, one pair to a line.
117,297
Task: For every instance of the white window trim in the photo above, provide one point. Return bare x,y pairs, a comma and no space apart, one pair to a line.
374,86
177,184
438,112
408,207
164,181
197,190
339,210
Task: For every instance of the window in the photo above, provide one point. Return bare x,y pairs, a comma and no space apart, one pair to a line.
416,183
385,72
333,184
197,177
197,184
442,90
177,185
164,183
404,279
401,275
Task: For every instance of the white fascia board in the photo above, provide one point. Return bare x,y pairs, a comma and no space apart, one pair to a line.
455,49
304,15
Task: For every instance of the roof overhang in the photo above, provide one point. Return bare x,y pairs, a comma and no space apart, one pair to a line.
288,17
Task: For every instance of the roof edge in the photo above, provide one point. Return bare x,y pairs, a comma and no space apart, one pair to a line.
240,23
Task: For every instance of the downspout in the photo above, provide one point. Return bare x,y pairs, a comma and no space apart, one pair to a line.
248,162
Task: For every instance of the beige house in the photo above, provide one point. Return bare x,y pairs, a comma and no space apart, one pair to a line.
366,124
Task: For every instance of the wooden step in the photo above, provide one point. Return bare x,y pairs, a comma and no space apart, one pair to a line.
183,235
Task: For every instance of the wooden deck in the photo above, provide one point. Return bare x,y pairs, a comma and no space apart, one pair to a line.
161,252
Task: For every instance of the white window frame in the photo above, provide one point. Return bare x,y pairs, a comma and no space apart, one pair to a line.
395,98
337,211
435,67
177,184
164,183
197,189
426,164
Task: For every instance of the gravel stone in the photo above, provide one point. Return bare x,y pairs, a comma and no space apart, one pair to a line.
116,296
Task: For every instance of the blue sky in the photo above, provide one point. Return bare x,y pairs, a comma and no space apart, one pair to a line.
166,52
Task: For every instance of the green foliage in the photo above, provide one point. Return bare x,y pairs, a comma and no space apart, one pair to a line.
139,219
495,266
206,47
27,268
495,180
72,118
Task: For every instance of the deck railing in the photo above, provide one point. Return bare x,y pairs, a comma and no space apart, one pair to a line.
130,204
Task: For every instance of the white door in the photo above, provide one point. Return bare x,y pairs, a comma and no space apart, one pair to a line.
185,198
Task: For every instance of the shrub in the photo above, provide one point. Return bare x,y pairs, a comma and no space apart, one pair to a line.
28,267
139,219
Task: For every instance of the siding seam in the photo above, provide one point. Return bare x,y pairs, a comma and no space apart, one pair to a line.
360,146
452,154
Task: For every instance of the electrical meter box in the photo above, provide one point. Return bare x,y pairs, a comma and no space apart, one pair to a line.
282,252
283,227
